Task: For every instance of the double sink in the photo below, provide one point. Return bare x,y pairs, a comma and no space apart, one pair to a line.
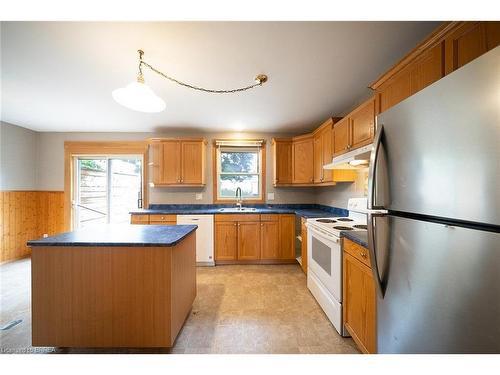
237,209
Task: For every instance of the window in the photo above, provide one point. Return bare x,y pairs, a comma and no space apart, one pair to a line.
239,164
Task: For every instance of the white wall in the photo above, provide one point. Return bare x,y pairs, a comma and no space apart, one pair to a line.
18,155
338,195
50,166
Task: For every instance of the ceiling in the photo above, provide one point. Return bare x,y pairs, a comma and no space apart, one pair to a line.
58,76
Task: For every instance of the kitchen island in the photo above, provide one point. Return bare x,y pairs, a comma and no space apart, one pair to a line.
113,286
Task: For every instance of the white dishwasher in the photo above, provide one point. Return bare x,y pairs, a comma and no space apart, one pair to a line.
204,237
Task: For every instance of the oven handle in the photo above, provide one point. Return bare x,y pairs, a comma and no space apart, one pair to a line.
323,235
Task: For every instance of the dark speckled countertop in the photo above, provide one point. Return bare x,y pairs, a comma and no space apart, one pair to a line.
120,235
360,237
303,210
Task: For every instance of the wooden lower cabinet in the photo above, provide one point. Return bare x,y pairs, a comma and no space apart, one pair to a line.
303,246
139,219
287,237
270,239
226,240
249,241
154,219
253,239
359,298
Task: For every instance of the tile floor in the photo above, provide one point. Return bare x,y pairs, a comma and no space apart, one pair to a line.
238,309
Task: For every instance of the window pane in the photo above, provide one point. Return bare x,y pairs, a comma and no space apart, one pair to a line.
240,161
92,192
249,185
125,189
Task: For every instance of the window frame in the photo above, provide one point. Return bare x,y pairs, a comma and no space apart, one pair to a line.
261,171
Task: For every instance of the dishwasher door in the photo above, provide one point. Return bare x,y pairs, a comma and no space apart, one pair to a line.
204,237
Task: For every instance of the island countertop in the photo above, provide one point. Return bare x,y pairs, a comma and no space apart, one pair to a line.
120,236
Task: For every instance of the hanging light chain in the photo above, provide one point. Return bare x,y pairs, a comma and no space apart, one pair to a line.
260,79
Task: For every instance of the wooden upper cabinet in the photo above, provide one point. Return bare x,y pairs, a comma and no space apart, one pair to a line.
170,163
303,162
323,152
362,124
469,41
226,240
282,159
178,162
193,162
327,148
248,240
427,68
341,136
318,158
448,48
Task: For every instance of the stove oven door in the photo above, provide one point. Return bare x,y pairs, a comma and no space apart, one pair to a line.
324,259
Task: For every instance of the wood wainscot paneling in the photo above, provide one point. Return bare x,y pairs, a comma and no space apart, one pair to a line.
27,215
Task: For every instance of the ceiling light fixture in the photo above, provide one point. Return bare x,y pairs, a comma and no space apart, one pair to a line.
139,97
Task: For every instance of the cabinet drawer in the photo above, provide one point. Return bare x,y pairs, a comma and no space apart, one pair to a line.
139,219
269,217
357,251
160,218
237,217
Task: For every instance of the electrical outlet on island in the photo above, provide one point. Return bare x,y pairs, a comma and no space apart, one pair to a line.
199,196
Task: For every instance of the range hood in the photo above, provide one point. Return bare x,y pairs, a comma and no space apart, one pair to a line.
355,159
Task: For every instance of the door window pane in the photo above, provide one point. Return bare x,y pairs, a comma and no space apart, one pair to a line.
92,199
125,188
107,189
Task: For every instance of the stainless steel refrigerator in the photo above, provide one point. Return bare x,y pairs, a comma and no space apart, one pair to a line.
435,221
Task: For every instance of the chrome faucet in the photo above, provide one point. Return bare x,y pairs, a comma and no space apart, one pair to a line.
238,197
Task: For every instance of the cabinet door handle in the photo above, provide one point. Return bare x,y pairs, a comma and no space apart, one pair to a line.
234,224
363,255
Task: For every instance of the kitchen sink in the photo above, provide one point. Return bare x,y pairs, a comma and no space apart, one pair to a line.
237,209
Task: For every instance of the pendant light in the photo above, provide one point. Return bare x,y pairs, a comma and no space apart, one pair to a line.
139,97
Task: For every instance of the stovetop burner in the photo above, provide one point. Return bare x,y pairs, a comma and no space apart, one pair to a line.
360,226
340,227
345,219
326,221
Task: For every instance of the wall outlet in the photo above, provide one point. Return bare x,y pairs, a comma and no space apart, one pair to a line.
45,235
199,196
270,196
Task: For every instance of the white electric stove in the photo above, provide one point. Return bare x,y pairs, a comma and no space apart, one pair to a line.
324,257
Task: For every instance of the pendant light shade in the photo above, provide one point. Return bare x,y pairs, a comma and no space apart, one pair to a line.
139,97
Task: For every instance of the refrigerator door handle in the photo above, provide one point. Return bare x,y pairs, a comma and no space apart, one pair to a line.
373,167
372,249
